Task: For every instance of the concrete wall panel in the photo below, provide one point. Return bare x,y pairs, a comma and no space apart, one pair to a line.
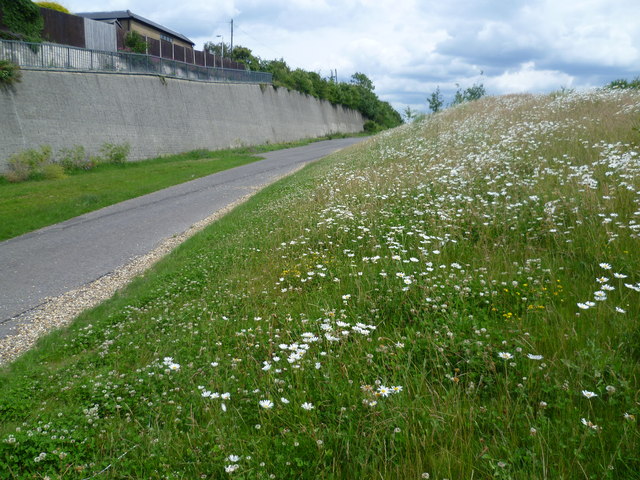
157,116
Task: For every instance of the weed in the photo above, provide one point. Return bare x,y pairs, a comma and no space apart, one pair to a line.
116,154
74,158
9,73
53,171
28,164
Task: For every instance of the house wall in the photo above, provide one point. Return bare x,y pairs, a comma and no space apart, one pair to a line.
145,30
157,116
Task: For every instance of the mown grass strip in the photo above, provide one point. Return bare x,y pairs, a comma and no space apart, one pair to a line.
28,206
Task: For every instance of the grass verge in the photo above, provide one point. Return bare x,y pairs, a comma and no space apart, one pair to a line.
28,206
457,298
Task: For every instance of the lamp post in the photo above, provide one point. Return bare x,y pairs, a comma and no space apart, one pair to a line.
221,37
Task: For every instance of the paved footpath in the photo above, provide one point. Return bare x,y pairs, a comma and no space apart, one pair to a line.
54,260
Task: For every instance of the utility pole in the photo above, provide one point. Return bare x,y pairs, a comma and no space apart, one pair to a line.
231,47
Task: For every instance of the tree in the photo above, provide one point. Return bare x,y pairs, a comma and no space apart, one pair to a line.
134,41
320,85
218,49
410,114
476,92
280,71
470,94
245,56
436,101
301,82
361,80
357,94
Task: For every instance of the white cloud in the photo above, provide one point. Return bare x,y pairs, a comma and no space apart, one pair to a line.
528,79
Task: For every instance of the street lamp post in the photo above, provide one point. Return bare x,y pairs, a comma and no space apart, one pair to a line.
221,37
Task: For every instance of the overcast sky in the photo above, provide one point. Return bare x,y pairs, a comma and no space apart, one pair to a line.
408,47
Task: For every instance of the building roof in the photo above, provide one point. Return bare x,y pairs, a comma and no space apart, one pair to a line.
127,14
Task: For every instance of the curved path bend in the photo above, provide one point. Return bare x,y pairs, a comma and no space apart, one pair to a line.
62,257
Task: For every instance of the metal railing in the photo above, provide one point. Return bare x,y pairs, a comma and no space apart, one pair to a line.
48,56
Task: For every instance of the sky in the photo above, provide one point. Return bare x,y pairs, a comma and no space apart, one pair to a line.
408,48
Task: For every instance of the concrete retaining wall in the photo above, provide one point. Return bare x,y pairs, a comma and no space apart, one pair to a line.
157,116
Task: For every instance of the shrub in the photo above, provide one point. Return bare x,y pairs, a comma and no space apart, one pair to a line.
23,18
9,73
419,118
74,158
622,83
475,92
17,171
436,101
34,164
562,92
94,161
134,42
371,127
53,171
113,153
27,164
53,6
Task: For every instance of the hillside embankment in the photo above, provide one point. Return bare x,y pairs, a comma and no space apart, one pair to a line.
456,298
157,115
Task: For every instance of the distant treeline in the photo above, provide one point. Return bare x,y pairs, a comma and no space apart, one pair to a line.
357,94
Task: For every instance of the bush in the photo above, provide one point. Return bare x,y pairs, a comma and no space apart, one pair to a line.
74,158
134,42
622,83
9,73
35,164
113,153
53,6
17,172
23,18
28,164
53,171
475,92
436,101
371,127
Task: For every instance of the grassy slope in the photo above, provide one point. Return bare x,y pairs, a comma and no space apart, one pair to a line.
446,259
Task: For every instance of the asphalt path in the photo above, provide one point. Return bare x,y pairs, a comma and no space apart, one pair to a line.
56,259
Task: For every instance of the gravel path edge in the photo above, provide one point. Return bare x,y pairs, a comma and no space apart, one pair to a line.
60,311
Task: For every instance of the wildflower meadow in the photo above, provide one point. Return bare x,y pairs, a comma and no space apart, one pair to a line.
456,298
